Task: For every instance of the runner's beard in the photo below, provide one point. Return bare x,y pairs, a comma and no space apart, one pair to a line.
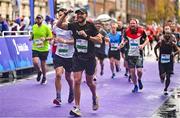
82,21
133,30
167,37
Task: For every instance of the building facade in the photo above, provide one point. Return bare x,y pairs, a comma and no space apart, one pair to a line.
7,8
114,8
136,8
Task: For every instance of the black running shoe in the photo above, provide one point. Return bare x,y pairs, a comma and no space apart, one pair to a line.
135,90
101,73
113,75
140,84
129,79
39,76
165,92
126,75
44,81
95,79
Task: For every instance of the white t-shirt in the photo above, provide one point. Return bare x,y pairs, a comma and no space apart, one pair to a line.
64,50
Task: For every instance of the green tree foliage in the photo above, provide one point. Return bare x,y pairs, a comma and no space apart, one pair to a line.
162,11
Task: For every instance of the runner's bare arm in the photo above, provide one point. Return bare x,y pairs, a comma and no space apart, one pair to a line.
144,44
123,42
177,50
60,23
49,38
106,39
71,41
155,49
62,40
96,39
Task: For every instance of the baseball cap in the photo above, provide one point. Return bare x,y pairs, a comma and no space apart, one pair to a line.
97,22
62,9
39,16
81,10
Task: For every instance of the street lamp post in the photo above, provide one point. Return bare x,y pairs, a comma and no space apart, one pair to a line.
104,6
94,8
177,10
55,6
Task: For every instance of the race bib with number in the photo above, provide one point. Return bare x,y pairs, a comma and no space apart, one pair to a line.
165,58
114,46
134,45
82,45
97,45
62,49
133,48
39,43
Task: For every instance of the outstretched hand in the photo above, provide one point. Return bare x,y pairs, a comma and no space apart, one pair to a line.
68,11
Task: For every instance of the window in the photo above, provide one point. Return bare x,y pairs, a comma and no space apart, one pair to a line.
121,4
40,8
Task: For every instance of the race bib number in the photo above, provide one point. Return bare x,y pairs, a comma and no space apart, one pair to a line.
97,45
165,58
82,45
134,44
39,43
62,49
133,48
114,46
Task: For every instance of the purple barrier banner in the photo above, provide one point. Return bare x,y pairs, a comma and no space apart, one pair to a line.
6,62
20,50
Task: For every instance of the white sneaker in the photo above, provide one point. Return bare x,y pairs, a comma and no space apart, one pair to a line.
75,112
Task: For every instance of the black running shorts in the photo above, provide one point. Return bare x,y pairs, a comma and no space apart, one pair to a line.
66,63
114,54
100,56
42,55
80,64
164,68
135,61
